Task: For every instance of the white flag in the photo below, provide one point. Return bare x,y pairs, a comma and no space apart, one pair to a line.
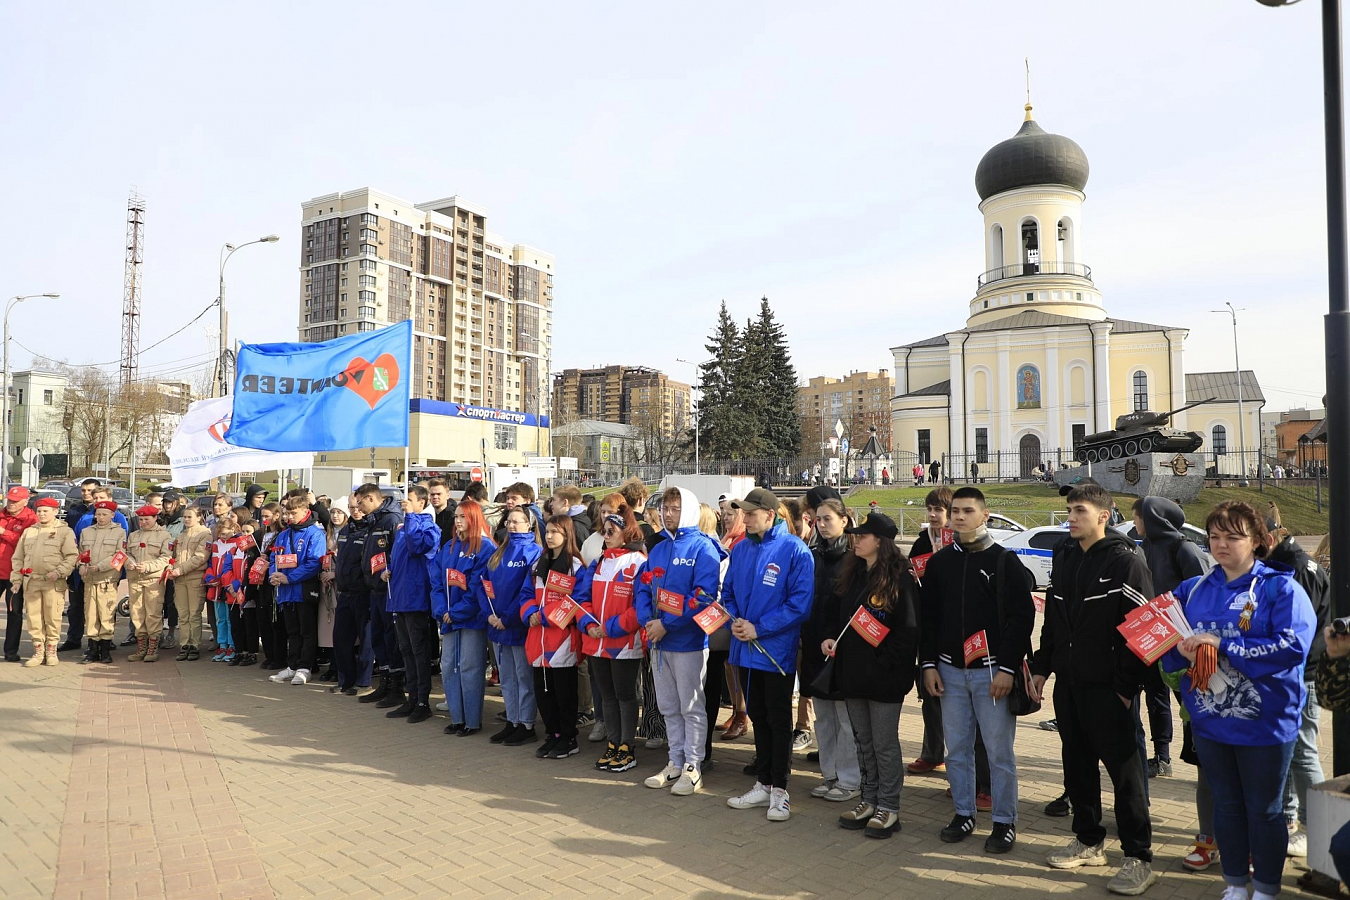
198,450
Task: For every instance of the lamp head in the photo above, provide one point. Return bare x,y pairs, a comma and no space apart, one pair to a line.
51,296
270,239
1277,2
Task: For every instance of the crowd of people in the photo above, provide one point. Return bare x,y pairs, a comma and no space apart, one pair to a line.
639,613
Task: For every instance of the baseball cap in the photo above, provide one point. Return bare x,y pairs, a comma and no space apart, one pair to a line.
172,496
1077,482
821,492
759,498
18,492
876,523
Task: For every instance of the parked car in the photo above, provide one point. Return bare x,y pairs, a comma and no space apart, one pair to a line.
43,493
1036,545
1001,527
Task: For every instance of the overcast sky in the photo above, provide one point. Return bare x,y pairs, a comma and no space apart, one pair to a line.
672,156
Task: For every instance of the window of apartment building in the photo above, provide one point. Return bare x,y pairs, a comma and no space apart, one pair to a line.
367,312
48,398
344,282
21,396
370,218
344,298
369,234
366,296
368,250
925,445
982,445
344,266
365,326
368,265
309,257
369,281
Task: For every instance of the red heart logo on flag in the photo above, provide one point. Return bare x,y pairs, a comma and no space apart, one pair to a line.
371,381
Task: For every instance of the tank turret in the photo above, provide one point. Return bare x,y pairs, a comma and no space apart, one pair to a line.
1140,432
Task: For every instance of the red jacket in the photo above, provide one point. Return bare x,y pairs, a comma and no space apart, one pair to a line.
613,579
11,526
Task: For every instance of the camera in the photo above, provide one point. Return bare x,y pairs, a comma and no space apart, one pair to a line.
1341,625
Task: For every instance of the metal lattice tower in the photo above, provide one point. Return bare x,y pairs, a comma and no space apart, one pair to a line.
131,291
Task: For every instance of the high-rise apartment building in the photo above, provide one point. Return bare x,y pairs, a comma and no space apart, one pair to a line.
859,400
482,308
625,395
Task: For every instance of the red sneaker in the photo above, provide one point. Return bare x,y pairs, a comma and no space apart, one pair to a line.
922,766
984,802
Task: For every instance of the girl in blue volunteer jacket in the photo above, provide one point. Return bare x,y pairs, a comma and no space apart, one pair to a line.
1244,691
455,603
411,560
679,579
768,591
507,585
549,647
297,556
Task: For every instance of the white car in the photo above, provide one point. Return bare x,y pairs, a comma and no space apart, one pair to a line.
1036,545
1001,527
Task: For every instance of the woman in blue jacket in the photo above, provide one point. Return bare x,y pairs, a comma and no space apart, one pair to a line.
297,556
456,586
506,586
1253,626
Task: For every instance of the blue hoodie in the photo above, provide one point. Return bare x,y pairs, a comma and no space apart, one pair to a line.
411,560
512,585
307,541
770,583
466,607
692,561
1262,703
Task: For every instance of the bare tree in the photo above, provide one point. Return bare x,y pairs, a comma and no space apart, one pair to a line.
100,414
659,445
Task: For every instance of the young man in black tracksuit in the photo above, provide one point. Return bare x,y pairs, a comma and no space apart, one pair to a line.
1096,578
384,516
976,594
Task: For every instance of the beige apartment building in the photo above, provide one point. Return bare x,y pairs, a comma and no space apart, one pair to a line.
481,307
859,400
624,395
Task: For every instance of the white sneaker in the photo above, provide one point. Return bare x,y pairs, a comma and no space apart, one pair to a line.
779,809
598,733
839,794
442,707
301,676
822,789
1298,843
689,781
665,778
283,676
756,796
1234,892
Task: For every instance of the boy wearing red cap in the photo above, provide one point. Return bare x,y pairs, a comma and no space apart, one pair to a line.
14,518
100,568
148,555
44,557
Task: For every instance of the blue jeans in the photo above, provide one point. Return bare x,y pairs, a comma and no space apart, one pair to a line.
1305,769
463,666
223,636
1248,786
517,677
965,704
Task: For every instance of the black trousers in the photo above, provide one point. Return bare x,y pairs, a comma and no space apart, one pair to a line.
13,617
714,686
384,622
244,628
273,650
768,703
302,632
555,693
171,608
1095,726
415,639
1158,701
351,627
75,611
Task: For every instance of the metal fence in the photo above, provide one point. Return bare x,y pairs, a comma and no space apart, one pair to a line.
893,468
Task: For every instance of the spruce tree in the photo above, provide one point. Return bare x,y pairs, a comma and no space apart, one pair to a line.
721,430
748,398
779,428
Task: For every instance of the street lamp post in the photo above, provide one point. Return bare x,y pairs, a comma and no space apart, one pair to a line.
1337,339
4,405
697,403
222,367
1237,373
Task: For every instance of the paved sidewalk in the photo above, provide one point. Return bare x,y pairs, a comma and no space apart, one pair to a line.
196,780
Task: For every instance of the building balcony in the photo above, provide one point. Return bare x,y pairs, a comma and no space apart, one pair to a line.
1027,270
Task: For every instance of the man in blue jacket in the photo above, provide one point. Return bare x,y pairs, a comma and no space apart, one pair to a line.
384,516
414,548
677,581
297,557
767,590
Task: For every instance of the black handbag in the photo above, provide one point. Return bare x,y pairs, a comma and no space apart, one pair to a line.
1019,698
822,685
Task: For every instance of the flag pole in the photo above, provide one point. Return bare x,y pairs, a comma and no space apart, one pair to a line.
407,476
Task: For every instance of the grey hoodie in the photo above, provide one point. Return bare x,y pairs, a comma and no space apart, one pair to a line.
1171,558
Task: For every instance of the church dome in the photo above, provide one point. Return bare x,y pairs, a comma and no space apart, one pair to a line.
1031,157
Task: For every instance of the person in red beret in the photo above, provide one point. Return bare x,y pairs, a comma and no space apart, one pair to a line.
44,558
149,553
14,518
102,551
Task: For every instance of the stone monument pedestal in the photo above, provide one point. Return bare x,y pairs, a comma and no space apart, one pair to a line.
1176,476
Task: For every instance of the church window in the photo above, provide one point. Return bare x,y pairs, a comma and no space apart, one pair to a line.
1065,235
925,446
1140,391
1028,387
982,445
1077,386
996,247
1031,295
1218,439
1079,434
1031,247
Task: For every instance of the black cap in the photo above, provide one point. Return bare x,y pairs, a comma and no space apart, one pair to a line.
759,498
819,493
1081,480
172,496
876,523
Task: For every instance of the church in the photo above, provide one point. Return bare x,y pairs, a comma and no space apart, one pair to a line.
1040,365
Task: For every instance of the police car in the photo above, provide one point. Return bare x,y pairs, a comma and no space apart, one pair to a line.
1036,545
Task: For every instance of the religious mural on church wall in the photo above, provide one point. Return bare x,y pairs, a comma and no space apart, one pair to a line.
1028,387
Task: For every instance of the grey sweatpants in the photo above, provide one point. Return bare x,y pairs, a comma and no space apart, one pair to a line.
679,696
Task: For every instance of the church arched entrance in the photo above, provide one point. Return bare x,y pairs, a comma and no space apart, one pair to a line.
1029,453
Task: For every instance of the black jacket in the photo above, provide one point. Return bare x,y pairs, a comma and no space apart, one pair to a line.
1171,558
351,546
445,521
382,524
884,673
1313,579
959,600
819,624
1089,595
581,524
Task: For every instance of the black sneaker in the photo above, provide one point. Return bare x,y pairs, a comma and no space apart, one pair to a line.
420,713
1159,767
399,712
507,730
453,728
563,748
752,768
1059,807
521,735
958,829
1050,725
466,731
543,749
585,718
1002,839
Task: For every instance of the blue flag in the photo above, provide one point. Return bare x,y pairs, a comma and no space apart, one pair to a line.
344,394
